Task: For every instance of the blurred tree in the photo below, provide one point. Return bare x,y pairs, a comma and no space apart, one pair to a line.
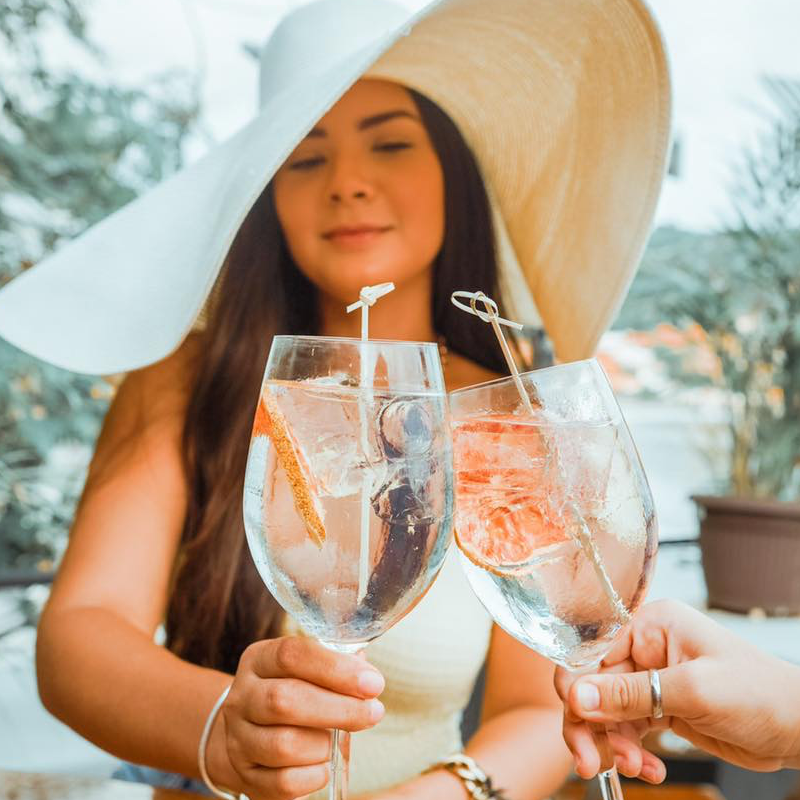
73,148
735,296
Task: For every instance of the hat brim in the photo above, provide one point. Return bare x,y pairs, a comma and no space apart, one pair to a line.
510,74
574,147
126,292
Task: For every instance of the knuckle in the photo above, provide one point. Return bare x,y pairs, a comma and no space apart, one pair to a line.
279,698
666,606
285,744
287,655
562,682
286,783
249,655
357,715
623,694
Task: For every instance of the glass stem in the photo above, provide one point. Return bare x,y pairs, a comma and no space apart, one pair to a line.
610,788
608,778
340,750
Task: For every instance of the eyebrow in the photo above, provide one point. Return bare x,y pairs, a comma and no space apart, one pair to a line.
369,122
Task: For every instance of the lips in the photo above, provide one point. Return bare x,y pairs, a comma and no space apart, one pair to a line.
354,233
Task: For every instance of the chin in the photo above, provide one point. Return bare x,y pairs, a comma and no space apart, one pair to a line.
345,281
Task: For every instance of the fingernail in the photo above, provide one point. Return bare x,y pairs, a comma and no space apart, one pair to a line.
376,710
370,682
588,697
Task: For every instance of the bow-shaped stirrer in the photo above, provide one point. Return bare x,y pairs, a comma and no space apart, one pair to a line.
367,297
492,316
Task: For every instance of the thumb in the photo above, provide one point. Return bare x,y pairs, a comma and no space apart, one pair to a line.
626,696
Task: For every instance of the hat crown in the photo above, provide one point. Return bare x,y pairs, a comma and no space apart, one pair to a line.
314,38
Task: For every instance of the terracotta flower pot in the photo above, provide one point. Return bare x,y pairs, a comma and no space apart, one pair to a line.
751,554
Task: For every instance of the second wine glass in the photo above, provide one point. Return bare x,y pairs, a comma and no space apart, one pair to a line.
348,496
555,521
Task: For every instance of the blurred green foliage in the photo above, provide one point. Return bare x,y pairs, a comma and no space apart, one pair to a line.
73,148
736,297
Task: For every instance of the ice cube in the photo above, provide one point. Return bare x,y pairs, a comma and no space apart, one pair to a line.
405,429
623,511
339,468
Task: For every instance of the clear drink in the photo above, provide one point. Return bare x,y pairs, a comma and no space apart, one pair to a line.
348,503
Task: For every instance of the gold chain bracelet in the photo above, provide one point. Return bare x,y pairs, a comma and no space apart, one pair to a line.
477,783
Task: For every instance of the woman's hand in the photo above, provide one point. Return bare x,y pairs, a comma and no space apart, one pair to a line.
719,692
287,695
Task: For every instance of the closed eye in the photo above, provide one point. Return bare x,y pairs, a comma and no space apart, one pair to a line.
307,163
391,147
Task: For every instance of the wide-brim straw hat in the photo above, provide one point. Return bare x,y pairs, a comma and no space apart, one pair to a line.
565,104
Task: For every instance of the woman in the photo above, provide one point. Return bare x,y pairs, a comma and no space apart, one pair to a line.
379,185
716,690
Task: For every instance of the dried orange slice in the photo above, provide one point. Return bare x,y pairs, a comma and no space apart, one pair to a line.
270,421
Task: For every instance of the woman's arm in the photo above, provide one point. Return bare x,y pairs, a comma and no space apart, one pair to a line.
98,667
518,743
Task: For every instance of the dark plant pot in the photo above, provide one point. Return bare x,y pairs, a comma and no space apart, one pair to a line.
751,554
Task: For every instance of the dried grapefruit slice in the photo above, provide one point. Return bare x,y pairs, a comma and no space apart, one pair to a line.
270,421
503,517
507,536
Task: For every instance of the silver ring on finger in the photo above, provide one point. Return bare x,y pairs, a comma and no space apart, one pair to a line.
655,694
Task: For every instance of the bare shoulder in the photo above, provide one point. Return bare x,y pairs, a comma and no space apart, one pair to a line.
161,389
150,404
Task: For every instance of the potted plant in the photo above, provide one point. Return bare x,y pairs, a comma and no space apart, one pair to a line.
732,301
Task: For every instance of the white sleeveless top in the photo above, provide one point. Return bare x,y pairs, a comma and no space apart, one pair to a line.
430,661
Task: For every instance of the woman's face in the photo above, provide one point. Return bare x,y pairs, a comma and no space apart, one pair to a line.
361,199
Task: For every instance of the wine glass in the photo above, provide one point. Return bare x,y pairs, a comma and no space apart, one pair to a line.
348,495
554,518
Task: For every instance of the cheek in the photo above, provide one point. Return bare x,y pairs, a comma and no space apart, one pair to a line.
423,202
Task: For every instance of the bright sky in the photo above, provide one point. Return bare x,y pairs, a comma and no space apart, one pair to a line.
718,49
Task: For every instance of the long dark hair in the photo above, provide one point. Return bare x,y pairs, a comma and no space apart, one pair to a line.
218,603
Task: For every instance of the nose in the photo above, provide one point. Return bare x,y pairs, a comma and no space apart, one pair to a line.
349,181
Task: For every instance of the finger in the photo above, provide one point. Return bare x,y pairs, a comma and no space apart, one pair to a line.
286,783
614,698
562,680
625,665
633,760
632,731
288,701
581,744
621,648
306,659
283,745
627,754
611,698
653,768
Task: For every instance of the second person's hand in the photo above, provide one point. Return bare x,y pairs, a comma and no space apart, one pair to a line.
287,695
719,692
